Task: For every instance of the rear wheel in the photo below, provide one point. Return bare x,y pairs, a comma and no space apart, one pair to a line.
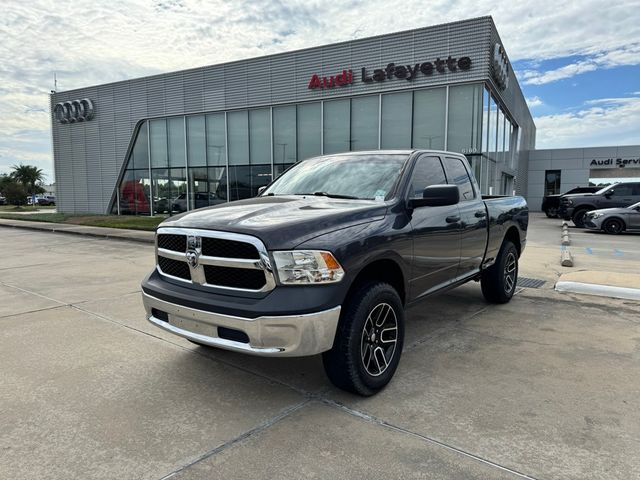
613,226
498,282
578,217
368,343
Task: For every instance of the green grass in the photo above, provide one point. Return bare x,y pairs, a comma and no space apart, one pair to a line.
111,221
24,208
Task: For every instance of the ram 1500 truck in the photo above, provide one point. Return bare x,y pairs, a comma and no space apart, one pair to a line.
328,256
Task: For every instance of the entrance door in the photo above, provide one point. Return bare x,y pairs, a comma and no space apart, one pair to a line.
435,232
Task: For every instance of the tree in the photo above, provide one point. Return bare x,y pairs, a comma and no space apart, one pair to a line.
15,193
29,176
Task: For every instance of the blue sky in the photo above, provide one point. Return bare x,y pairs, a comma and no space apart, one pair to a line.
578,62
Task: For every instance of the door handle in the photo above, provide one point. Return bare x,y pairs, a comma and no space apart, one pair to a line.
453,219
480,214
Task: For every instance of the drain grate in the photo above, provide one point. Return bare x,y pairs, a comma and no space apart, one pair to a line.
530,282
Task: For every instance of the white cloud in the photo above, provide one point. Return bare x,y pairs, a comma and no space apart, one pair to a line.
534,102
606,121
93,42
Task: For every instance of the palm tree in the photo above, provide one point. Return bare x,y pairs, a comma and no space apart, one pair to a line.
29,176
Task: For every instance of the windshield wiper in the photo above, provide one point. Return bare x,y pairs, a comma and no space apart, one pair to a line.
334,195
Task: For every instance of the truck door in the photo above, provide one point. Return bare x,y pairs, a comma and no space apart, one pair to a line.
435,232
473,219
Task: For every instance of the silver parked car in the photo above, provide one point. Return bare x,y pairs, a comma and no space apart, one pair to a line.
614,220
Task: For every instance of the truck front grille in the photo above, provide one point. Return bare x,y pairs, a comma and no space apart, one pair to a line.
214,259
175,243
175,268
234,277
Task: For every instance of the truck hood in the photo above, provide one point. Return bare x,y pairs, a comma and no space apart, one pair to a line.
282,222
574,195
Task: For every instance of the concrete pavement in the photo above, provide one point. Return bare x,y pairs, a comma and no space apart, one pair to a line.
543,387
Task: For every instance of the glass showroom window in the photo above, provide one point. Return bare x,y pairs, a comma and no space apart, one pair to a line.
364,123
259,136
429,118
284,135
238,137
158,143
141,148
395,123
500,145
464,133
336,126
486,101
176,142
216,140
309,134
493,127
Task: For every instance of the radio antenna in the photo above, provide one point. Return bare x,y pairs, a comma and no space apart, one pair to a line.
55,82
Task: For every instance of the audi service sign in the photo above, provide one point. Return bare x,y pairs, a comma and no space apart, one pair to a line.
74,111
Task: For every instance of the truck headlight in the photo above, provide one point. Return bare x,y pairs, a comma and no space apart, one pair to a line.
568,202
298,267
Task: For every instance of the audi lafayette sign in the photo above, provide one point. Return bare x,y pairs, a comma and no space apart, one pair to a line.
500,66
73,111
391,71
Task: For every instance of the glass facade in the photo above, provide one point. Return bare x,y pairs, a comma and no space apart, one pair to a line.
186,162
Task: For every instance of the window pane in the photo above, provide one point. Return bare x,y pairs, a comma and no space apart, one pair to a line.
198,188
428,171
216,140
396,120
364,123
552,182
175,127
196,141
485,119
135,193
336,126
500,146
238,133
217,185
140,149
260,136
458,175
177,190
284,134
465,119
158,140
308,130
161,190
429,118
239,182
493,124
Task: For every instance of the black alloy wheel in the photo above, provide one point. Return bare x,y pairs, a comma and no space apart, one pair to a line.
499,281
368,343
613,226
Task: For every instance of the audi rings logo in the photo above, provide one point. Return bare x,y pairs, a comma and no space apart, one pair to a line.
500,66
73,111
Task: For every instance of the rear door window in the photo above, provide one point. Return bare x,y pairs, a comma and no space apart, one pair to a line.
458,175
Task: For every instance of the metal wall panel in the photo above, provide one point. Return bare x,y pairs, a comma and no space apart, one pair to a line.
271,80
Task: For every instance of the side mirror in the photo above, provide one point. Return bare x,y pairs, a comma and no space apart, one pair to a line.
436,196
261,189
609,194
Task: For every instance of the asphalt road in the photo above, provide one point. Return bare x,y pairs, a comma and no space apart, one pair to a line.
543,387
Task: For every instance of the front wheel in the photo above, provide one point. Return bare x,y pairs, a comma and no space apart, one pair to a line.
368,343
613,226
498,282
578,217
551,212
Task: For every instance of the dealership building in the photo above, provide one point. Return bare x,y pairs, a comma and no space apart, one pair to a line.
183,140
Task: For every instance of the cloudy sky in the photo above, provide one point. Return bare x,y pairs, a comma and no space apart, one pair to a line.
578,62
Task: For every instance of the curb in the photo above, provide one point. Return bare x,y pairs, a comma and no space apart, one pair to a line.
598,290
55,228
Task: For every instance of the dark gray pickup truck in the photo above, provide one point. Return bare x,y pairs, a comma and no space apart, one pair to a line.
327,257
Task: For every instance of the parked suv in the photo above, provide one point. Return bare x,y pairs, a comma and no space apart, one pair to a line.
46,200
551,203
573,207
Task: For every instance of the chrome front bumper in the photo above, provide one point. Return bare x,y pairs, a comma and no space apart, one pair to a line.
269,336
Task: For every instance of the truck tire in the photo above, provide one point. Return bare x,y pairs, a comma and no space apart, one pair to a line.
551,212
578,217
369,339
498,282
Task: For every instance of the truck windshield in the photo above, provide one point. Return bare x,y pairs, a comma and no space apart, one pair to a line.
346,176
